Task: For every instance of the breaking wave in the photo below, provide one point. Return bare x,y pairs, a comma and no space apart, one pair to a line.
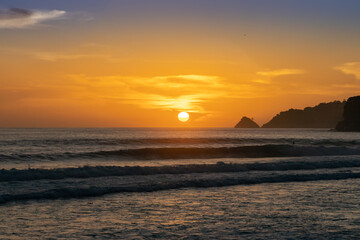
294,155
256,151
93,191
175,141
220,167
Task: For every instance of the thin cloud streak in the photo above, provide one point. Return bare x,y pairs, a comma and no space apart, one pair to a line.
280,72
22,18
266,77
352,68
50,56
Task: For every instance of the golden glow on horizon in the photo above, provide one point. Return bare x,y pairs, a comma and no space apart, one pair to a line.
183,116
117,70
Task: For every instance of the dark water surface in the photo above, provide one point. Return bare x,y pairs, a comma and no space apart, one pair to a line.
179,183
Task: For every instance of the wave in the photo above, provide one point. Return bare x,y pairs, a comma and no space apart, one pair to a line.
138,141
173,141
219,167
84,192
256,151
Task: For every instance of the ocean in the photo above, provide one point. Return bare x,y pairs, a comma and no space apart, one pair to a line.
206,183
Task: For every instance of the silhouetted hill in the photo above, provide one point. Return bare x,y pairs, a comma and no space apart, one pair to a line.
351,116
246,122
324,115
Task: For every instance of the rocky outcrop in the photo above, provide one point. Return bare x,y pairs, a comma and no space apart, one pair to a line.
351,121
324,115
246,122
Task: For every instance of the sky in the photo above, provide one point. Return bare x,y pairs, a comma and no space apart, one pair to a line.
138,63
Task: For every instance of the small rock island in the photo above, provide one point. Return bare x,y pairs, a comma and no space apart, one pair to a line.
343,116
246,122
351,122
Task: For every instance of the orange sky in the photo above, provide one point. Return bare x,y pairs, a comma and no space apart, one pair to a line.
128,65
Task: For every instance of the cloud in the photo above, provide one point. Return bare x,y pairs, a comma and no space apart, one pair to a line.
280,72
174,92
266,77
51,56
352,68
187,92
262,81
21,18
192,93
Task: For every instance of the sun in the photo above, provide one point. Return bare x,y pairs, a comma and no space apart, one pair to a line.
183,116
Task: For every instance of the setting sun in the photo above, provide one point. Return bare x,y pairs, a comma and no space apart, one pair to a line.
95,128
183,116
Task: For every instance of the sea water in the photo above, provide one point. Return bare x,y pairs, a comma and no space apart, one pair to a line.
179,184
